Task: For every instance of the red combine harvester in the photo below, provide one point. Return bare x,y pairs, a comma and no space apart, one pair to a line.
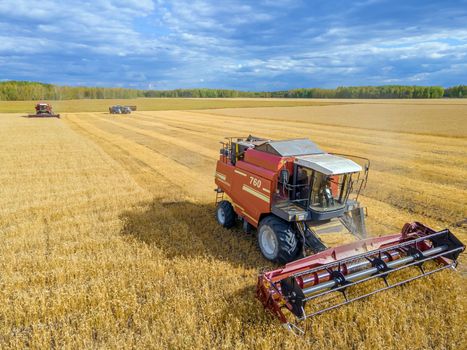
294,193
44,110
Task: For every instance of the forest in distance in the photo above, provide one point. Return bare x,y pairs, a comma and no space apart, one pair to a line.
26,90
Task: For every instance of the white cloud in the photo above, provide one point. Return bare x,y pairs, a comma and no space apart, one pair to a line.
238,44
96,26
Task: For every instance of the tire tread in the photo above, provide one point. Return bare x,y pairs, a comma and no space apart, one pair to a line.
288,242
230,216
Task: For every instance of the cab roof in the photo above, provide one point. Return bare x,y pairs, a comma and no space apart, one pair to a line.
328,164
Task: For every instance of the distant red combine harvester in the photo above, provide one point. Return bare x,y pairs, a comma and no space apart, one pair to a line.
44,110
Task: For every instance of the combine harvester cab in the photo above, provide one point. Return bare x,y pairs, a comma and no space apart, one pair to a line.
293,193
44,110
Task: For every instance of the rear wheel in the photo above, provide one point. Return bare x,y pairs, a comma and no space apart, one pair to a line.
225,214
277,240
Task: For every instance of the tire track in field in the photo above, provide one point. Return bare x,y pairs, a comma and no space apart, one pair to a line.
363,136
162,164
189,146
410,195
184,156
201,136
145,174
344,138
391,164
349,143
340,130
411,124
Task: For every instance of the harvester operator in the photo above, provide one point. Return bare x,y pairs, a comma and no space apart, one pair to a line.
326,198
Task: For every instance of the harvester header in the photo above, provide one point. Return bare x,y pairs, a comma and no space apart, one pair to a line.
296,292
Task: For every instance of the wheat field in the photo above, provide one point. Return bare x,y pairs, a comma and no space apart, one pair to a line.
109,238
156,104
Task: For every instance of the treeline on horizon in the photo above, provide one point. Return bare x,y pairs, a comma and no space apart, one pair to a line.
25,90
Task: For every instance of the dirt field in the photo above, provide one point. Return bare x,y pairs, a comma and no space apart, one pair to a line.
109,238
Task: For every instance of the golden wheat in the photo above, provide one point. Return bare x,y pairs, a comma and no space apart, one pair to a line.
155,104
109,239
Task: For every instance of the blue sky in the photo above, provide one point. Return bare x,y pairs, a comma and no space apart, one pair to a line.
248,45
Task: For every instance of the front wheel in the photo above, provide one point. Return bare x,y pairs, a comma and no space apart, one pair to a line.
225,214
277,240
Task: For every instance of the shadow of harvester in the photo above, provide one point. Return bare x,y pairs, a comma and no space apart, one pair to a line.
186,229
190,230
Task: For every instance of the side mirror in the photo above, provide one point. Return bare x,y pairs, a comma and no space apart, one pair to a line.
284,176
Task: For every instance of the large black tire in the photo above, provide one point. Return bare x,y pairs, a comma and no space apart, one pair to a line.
225,214
277,240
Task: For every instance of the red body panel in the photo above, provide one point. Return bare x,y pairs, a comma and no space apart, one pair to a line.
264,160
250,193
251,182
